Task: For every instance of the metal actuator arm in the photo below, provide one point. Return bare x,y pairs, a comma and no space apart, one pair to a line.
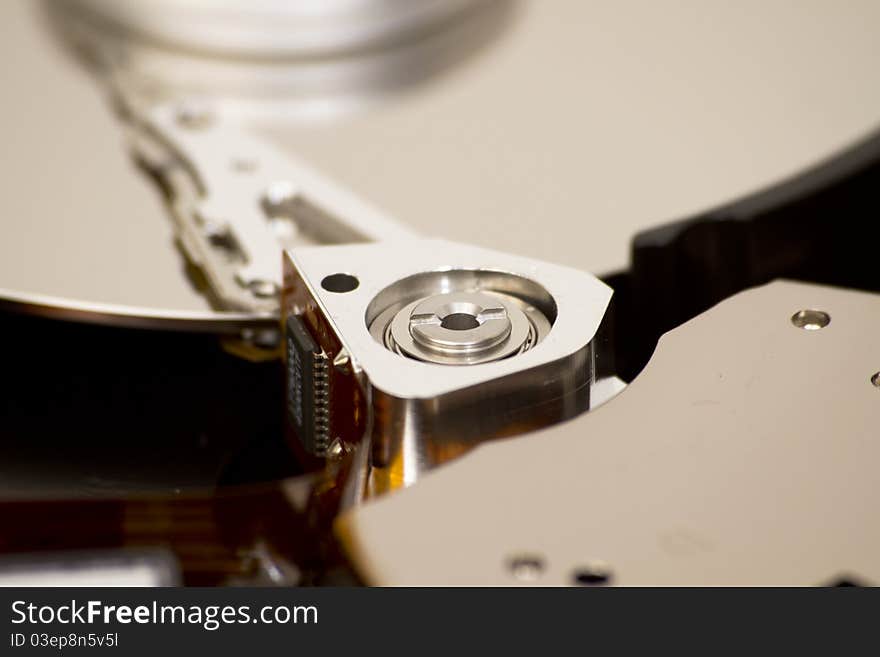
423,348
237,202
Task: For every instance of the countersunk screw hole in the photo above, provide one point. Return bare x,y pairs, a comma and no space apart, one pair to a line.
811,320
596,573
876,380
340,283
526,568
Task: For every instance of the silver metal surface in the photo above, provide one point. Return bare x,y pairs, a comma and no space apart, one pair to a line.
84,232
387,274
424,413
585,122
275,28
460,328
118,314
282,71
744,454
87,235
460,323
99,568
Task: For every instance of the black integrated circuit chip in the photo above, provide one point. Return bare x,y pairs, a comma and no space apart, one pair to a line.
308,388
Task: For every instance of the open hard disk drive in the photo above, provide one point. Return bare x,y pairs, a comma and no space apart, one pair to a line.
414,292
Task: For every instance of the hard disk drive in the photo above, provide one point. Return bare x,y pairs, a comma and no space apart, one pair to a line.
439,292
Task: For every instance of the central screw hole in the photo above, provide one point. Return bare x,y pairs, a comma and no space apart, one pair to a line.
811,320
459,322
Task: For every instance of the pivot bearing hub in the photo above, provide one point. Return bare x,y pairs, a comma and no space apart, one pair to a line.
388,344
461,317
460,328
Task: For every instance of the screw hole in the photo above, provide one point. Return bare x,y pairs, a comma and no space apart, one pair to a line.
459,322
811,320
340,283
876,380
526,568
846,581
593,574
